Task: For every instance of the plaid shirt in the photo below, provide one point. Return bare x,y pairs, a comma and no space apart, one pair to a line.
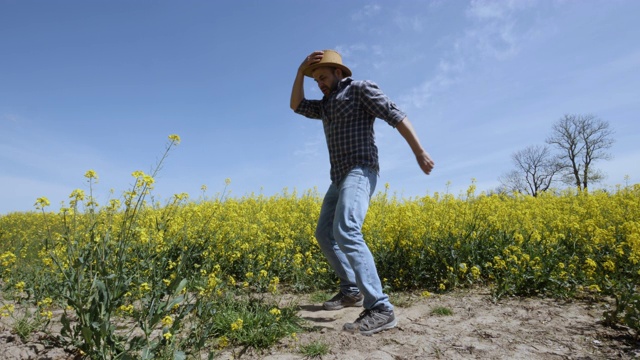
348,114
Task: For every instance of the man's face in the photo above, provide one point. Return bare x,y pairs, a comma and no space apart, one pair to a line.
327,78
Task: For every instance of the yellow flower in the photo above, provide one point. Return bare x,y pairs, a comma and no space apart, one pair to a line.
20,286
463,268
142,179
442,287
7,259
425,294
236,325
42,202
45,302
46,314
273,285
609,266
174,139
91,174
297,260
145,287
167,336
167,321
223,342
7,310
77,195
475,272
594,288
275,311
126,308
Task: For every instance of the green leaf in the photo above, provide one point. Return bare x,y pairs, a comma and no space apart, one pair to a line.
146,353
66,325
136,342
175,301
180,287
87,333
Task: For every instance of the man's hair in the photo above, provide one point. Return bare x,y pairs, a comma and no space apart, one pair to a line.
332,68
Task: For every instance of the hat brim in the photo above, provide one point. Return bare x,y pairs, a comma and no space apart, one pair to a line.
309,70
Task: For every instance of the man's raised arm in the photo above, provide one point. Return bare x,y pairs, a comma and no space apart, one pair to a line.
297,92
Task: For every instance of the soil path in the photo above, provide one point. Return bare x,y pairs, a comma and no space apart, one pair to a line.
513,328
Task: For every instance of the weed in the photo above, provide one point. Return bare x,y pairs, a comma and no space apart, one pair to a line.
315,349
441,311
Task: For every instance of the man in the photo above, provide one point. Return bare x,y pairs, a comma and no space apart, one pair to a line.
348,110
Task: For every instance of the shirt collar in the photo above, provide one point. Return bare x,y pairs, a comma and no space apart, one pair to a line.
344,83
341,85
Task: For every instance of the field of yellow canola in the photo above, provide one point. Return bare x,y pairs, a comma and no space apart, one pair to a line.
553,244
205,260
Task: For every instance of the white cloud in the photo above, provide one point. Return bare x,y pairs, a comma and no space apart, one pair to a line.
420,96
486,9
495,40
359,55
492,34
312,148
366,12
409,23
494,9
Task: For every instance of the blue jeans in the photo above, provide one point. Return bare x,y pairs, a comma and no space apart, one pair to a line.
340,237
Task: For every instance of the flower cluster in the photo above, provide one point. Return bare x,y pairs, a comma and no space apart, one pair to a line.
555,244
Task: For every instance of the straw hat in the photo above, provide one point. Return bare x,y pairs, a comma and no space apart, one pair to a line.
329,58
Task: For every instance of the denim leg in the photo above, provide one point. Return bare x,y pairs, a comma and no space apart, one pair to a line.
324,234
354,194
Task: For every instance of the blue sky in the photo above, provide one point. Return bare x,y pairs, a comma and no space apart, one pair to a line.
101,84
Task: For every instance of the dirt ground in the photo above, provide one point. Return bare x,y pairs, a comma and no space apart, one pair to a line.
478,328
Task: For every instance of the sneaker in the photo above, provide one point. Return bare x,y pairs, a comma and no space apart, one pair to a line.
341,300
372,321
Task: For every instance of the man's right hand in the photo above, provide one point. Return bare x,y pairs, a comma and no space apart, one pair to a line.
297,92
425,162
313,58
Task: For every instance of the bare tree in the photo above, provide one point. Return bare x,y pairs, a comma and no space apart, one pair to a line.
511,182
535,170
581,139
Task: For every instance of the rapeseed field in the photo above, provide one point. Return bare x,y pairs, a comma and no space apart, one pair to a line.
166,280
